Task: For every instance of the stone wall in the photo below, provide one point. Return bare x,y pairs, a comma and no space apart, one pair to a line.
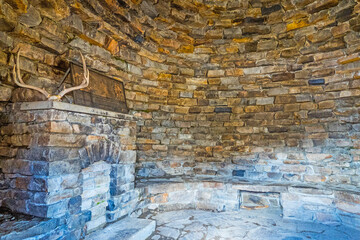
261,89
68,162
298,202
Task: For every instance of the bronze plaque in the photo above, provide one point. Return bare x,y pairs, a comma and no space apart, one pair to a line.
103,92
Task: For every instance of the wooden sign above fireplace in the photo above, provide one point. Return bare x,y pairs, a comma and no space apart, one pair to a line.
103,92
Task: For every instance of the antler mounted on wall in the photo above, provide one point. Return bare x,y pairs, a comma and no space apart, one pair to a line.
18,81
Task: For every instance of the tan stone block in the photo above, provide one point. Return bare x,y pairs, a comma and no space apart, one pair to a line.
21,140
242,40
185,38
147,141
238,110
182,110
321,5
5,93
214,34
196,81
187,71
59,127
318,136
199,94
314,129
335,44
28,34
53,9
163,50
204,50
245,130
170,43
141,97
327,104
186,49
160,147
189,102
266,45
234,72
164,77
252,109
350,93
319,36
285,99
158,92
214,81
8,152
215,73
291,107
349,59
150,74
340,30
232,49
151,55
300,23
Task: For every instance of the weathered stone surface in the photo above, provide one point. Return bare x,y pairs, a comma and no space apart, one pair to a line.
31,18
26,95
19,5
54,185
185,65
321,5
54,9
5,40
149,9
5,93
128,228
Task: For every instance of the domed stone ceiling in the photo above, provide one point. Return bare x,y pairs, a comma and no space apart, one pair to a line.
261,89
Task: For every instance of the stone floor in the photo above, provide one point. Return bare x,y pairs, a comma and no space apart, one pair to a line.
245,224
10,222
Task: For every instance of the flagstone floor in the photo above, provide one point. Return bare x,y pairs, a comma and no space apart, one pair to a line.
264,224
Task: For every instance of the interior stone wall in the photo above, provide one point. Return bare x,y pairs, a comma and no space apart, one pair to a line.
261,89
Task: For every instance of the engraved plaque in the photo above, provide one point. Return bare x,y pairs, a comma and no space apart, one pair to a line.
103,92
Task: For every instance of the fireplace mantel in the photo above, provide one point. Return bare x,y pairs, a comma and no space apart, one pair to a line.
45,105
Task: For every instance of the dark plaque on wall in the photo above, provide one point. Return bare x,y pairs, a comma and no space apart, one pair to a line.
103,92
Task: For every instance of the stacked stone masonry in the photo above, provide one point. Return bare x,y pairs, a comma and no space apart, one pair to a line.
253,89
73,166
297,202
263,89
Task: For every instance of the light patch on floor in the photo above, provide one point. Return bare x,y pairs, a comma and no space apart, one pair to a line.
265,224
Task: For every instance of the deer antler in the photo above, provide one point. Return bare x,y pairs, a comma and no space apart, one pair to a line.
18,80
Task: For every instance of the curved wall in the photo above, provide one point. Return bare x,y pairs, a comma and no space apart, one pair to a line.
223,87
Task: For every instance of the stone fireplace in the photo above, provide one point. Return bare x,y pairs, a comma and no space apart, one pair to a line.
68,161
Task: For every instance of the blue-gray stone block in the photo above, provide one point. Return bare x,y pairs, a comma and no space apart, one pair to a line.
320,81
238,173
223,110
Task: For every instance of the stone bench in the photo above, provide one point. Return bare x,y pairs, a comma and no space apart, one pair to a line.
322,204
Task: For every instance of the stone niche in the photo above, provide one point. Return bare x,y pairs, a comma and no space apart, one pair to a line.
68,162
